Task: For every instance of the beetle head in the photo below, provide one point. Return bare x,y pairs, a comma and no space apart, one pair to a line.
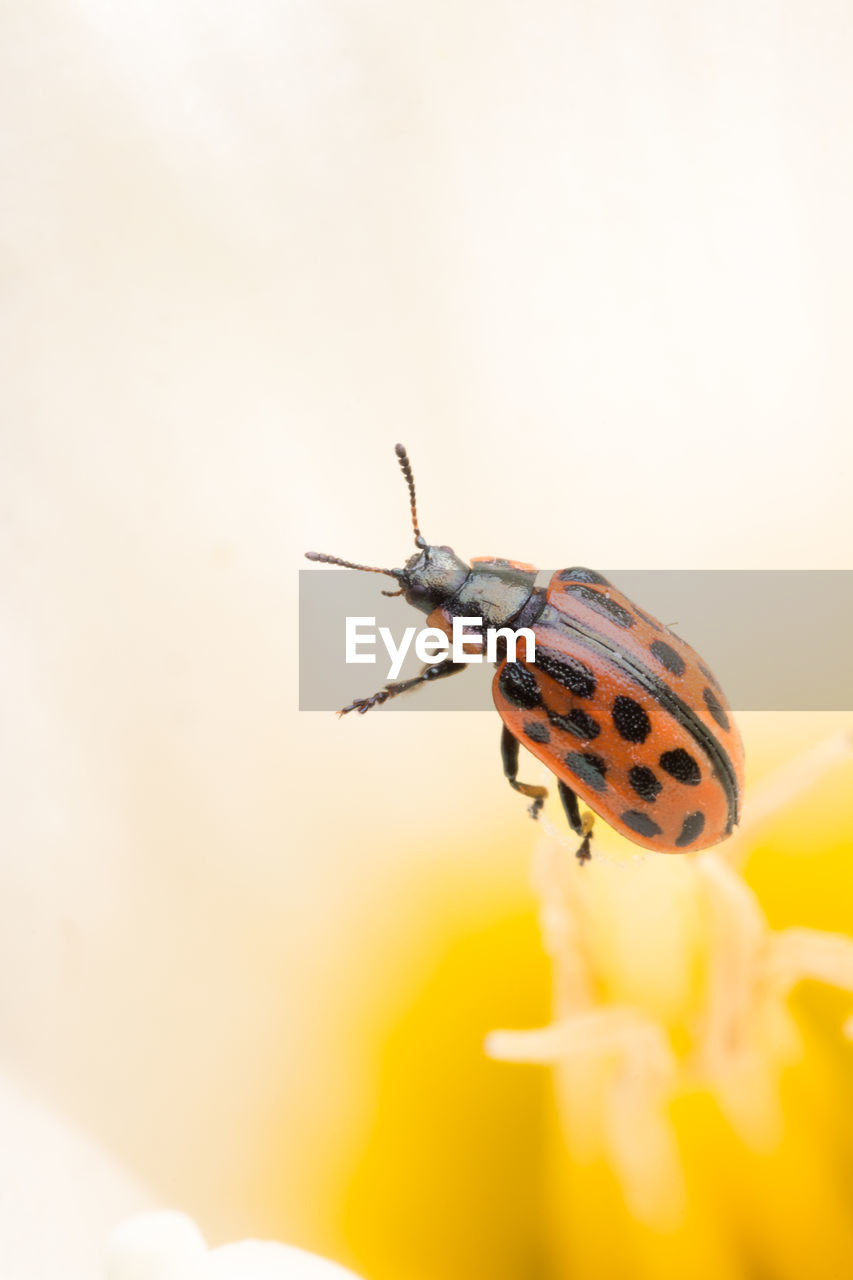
431,576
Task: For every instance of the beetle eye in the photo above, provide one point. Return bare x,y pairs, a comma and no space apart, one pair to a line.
418,591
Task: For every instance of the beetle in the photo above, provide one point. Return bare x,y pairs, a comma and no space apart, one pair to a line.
626,715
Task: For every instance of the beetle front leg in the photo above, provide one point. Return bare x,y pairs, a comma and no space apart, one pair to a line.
509,755
434,671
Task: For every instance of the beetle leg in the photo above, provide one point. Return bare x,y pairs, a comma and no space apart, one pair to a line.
582,826
434,671
571,806
509,754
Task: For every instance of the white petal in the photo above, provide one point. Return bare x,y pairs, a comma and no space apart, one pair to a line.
60,1192
154,1246
264,1260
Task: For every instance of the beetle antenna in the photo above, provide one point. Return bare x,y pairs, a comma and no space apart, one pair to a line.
348,564
406,468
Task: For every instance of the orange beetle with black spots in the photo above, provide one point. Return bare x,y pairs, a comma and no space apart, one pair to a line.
619,708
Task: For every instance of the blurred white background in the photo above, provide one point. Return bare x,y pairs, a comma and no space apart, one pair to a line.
591,263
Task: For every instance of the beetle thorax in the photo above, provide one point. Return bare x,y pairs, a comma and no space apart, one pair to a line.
497,591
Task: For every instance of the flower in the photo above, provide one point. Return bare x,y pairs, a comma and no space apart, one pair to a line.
673,1018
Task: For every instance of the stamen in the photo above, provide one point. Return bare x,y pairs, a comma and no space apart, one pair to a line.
735,934
795,954
608,1030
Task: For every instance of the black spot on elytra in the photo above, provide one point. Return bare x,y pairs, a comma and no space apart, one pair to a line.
693,826
709,676
630,719
640,822
578,574
713,704
679,764
569,672
644,781
576,721
602,604
519,686
537,732
665,653
588,767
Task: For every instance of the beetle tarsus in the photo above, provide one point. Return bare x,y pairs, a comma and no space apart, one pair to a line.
583,853
364,704
432,671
